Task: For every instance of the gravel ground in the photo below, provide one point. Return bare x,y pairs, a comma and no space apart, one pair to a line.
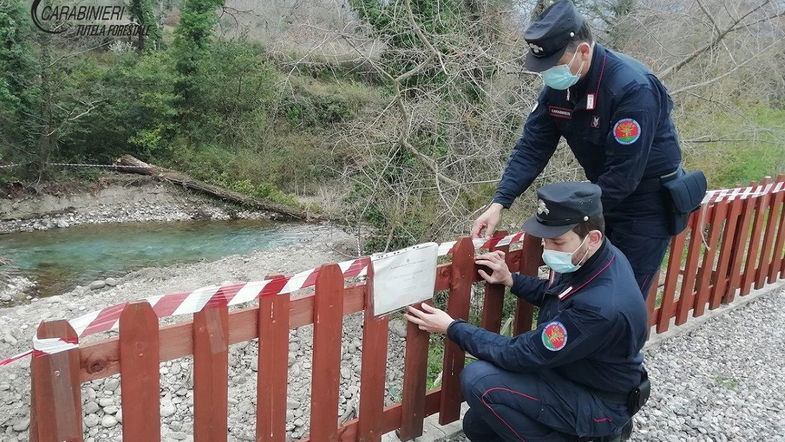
720,381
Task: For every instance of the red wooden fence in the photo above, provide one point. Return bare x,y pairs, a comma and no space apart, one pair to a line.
729,247
744,243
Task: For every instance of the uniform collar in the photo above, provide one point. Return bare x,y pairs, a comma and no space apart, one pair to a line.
593,267
590,84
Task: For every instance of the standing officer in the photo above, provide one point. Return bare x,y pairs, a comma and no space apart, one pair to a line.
616,117
579,373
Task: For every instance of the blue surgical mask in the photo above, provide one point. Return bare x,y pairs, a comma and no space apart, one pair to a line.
559,77
561,262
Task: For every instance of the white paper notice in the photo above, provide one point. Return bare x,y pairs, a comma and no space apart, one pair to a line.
403,277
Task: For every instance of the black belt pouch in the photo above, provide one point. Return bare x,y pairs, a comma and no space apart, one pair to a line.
684,191
639,395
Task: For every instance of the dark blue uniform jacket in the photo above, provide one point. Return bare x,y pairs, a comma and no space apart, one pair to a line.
616,120
591,326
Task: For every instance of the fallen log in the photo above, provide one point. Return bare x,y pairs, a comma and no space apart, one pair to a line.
130,164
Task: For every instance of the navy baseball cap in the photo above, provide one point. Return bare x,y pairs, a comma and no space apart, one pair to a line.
548,36
562,206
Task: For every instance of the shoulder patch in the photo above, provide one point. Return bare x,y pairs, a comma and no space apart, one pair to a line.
626,131
554,336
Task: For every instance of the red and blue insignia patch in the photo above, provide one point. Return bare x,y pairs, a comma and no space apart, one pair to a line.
626,131
554,336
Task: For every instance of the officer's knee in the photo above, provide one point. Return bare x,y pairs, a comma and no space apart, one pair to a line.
473,376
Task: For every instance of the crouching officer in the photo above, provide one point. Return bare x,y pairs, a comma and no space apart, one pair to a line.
579,374
616,117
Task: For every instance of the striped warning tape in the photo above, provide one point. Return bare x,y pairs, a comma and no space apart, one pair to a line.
715,196
227,295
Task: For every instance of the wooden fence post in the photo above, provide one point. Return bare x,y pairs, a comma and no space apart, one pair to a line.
328,324
668,306
457,307
774,239
739,249
493,301
414,382
374,365
272,375
531,258
686,297
140,373
718,214
750,268
722,275
56,398
211,374
651,298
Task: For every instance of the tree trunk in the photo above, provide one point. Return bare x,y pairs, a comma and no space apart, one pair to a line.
134,165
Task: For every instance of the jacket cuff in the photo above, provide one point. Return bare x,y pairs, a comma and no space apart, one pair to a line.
454,328
517,280
504,201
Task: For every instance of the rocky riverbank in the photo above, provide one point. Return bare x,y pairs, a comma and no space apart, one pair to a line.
116,198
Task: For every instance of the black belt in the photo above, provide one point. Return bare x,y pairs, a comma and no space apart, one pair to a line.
634,399
654,184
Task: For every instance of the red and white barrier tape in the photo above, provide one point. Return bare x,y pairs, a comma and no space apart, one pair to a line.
715,196
234,294
43,346
7,361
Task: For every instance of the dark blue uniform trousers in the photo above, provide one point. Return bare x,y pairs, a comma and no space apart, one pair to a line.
536,406
639,229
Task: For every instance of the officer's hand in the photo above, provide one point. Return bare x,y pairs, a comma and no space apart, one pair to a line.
494,261
487,221
431,320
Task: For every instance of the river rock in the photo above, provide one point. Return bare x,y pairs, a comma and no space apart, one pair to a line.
96,285
9,338
167,409
112,384
22,424
91,420
91,407
108,421
398,327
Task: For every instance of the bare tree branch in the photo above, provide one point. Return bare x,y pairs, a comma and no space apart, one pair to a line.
714,41
720,77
